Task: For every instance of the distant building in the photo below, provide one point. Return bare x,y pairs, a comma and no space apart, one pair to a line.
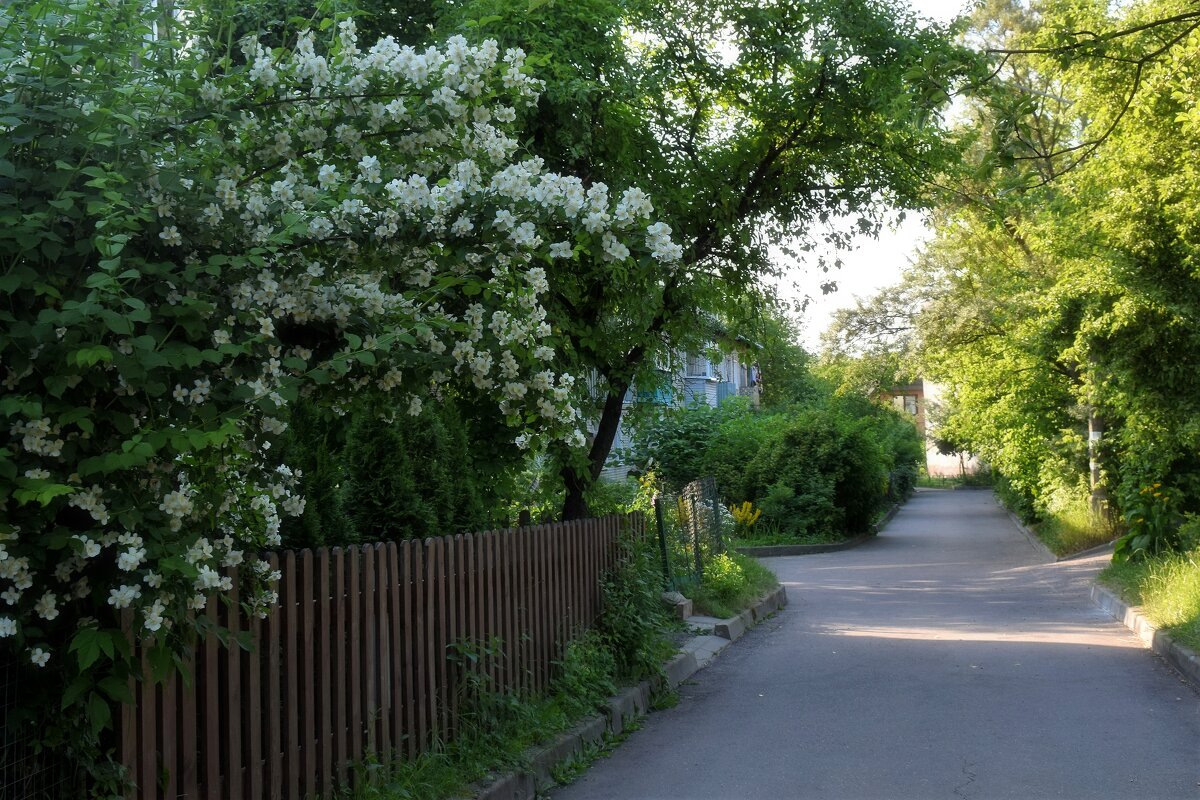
917,398
694,380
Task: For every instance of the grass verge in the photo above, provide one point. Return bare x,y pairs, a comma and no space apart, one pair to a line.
1167,588
1072,530
772,539
732,582
497,728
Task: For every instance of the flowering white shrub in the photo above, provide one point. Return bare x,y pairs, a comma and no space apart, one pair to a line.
191,246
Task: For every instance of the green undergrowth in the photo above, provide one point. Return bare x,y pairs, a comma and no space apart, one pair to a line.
770,539
732,582
1167,587
1073,529
496,729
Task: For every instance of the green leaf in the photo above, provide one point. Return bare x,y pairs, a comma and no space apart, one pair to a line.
99,713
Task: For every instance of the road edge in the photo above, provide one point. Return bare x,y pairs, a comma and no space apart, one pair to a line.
774,550
624,707
1183,659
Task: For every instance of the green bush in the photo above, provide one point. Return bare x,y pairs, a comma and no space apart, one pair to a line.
370,479
633,617
823,472
813,470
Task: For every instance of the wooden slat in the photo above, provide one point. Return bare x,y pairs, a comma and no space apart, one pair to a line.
421,674
443,619
471,548
308,673
212,713
233,699
168,734
462,604
274,754
148,780
396,654
430,639
490,603
408,580
383,650
189,785
254,690
292,753
354,635
450,619
341,742
543,569
370,689
324,638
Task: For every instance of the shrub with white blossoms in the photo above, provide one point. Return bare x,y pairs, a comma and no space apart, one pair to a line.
190,246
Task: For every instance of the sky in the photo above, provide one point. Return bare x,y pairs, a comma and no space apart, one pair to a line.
874,263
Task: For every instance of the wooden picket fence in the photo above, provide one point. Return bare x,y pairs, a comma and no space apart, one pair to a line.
358,658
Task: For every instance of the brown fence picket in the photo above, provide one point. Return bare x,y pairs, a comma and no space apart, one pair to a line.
354,639
307,674
233,700
288,607
357,658
212,714
274,756
324,638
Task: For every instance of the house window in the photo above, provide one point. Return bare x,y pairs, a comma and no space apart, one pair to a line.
698,366
910,404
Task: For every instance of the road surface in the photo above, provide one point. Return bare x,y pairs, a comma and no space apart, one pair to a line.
939,660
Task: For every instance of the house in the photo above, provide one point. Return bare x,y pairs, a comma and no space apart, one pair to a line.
690,379
918,399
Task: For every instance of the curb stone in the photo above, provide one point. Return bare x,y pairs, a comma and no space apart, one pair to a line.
1045,551
1034,542
1185,660
625,706
767,551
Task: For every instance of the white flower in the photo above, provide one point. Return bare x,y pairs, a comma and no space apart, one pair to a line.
123,596
328,176
46,606
39,656
170,236
8,627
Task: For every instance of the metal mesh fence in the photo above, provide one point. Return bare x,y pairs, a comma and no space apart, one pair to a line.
691,530
25,773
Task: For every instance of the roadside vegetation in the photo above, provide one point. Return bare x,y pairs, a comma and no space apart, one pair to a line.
818,469
1165,586
629,643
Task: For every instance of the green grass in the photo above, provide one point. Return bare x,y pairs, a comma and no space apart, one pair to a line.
1073,529
1168,590
768,539
732,582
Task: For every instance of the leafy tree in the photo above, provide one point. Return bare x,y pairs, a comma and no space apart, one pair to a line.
749,122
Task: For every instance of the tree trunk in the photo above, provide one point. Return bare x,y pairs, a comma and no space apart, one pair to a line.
575,481
1096,428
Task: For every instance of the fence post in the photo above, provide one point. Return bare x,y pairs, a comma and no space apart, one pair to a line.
716,509
662,542
696,537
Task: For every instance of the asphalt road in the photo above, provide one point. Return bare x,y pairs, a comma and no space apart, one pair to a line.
939,660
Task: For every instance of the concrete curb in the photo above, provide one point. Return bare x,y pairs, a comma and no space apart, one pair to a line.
1185,660
1034,542
626,705
1045,551
891,512
767,551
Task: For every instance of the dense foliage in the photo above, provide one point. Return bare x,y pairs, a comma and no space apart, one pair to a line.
823,468
197,233
1059,296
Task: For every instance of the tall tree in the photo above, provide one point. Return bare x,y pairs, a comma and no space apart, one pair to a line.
748,123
